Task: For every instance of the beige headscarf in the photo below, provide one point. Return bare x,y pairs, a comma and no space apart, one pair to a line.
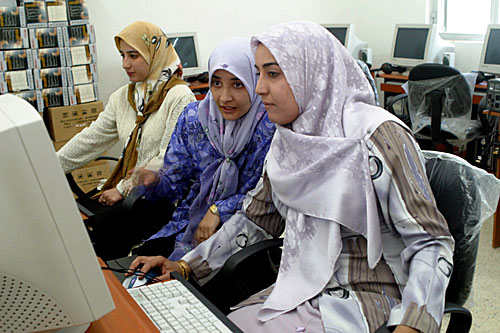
146,97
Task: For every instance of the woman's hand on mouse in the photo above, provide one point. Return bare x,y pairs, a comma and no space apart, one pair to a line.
166,266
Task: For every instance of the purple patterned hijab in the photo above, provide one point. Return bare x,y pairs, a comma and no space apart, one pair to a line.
229,137
318,166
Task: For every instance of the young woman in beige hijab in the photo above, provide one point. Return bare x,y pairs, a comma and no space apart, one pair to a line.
140,116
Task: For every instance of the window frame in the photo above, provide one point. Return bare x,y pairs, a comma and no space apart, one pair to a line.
438,15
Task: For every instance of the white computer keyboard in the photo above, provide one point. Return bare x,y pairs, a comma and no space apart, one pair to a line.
174,308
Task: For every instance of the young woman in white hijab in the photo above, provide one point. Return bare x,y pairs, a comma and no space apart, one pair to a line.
364,242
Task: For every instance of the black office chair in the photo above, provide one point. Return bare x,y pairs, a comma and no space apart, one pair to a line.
89,206
457,194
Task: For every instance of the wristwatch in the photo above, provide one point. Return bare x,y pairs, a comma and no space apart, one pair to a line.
214,210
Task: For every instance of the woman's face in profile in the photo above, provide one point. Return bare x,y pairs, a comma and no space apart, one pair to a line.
230,95
273,88
133,63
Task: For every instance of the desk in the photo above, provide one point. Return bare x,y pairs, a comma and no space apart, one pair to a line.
200,90
127,315
496,218
392,86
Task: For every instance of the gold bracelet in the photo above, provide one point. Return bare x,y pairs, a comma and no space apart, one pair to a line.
185,269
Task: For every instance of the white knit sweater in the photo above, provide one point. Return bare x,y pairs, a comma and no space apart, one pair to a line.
116,123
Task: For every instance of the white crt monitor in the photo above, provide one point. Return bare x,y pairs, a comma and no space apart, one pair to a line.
415,44
490,55
345,33
186,46
49,275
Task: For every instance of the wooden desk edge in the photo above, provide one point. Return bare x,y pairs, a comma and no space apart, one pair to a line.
127,315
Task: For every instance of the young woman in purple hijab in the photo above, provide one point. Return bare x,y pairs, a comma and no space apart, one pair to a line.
215,154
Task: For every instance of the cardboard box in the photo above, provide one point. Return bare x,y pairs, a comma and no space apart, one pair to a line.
57,13
83,93
81,55
64,122
46,37
49,58
14,60
14,81
12,17
50,77
14,38
89,176
76,35
59,144
34,97
78,12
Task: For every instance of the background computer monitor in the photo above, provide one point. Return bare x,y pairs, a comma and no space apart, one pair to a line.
186,46
490,55
345,33
414,44
49,274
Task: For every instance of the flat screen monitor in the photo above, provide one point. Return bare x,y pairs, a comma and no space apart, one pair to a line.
414,44
490,55
50,278
186,46
345,33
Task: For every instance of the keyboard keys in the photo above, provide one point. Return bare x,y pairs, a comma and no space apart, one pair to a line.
173,308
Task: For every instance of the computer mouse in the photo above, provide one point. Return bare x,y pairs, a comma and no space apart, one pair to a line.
133,280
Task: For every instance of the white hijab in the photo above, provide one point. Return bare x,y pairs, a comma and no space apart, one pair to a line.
318,167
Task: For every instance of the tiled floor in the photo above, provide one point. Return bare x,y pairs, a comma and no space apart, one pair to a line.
484,302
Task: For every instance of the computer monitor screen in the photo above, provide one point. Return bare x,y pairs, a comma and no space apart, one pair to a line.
490,56
414,44
411,42
345,33
49,271
339,33
186,46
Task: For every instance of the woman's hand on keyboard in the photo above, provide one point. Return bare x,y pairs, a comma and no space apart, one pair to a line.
145,264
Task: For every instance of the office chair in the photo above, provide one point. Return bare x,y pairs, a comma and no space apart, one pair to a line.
457,194
439,107
89,206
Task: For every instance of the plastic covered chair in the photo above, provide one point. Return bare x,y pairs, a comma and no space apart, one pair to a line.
465,195
440,105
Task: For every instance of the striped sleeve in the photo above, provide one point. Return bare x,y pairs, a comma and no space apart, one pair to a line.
410,211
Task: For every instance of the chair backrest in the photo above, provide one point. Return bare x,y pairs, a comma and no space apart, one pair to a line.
440,105
458,199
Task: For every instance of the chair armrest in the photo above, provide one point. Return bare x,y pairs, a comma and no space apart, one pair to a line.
109,158
247,269
392,100
135,194
460,318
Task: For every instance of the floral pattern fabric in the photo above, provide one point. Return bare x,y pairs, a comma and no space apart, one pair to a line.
188,154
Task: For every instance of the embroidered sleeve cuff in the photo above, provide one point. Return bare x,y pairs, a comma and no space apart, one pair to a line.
200,270
122,188
413,316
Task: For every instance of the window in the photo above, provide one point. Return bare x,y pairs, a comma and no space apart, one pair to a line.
464,19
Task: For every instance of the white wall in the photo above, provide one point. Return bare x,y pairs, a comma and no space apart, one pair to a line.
216,20
213,20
